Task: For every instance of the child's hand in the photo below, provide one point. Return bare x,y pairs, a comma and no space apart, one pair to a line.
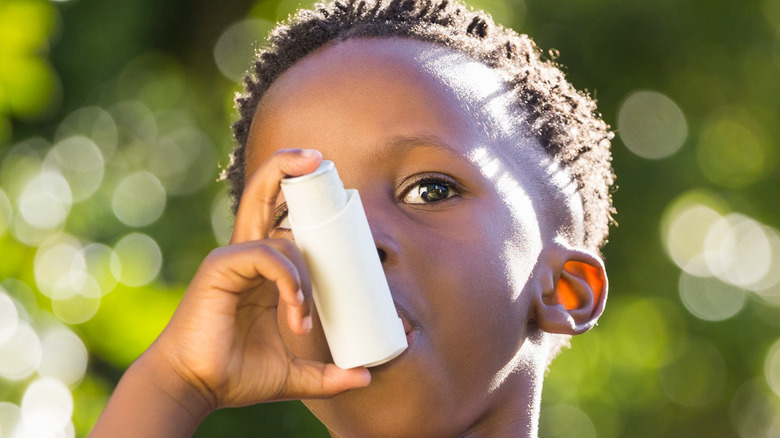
224,338
223,347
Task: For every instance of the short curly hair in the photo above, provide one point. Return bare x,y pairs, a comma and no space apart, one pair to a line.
564,119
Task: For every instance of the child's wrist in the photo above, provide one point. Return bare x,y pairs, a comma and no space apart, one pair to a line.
152,390
169,379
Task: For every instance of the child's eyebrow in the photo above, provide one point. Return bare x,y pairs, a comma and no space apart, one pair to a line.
403,144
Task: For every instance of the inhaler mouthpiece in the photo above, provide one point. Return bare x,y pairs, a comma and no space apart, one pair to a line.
315,196
350,290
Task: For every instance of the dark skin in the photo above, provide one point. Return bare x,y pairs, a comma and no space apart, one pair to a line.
473,249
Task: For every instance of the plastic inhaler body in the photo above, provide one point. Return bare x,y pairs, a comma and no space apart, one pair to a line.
350,290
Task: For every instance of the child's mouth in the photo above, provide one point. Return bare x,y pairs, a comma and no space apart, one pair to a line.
407,324
409,327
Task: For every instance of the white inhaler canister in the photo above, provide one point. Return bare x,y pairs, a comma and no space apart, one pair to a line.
350,290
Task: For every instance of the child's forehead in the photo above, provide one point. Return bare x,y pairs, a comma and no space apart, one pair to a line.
450,83
385,52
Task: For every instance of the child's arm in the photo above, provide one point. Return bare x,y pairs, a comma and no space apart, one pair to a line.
222,347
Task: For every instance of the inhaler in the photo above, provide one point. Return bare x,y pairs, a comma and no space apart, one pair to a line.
350,290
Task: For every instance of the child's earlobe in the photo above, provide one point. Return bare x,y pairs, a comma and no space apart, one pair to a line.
573,302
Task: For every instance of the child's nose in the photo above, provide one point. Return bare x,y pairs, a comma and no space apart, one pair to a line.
386,247
385,236
382,255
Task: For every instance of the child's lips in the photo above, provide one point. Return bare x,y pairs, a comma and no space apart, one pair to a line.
410,329
409,325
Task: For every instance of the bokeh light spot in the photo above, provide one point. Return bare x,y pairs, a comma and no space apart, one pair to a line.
565,421
154,79
754,412
737,250
769,284
651,125
709,298
10,420
28,234
46,407
139,260
80,161
236,46
732,150
64,356
684,230
184,161
9,317
697,377
772,367
135,124
6,213
771,299
94,123
20,354
76,306
26,26
31,85
46,200
221,219
21,164
60,263
23,296
100,259
139,199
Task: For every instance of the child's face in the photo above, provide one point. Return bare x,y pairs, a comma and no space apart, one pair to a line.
457,213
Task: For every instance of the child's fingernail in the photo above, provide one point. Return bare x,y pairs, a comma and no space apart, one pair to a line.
306,323
299,297
310,153
367,376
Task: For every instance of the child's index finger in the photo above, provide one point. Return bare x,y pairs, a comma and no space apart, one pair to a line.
258,201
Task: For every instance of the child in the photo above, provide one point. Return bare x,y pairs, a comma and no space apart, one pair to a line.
485,178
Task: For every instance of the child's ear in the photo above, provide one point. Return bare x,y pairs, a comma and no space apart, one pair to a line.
574,300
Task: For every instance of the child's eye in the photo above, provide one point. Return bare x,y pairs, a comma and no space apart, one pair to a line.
429,189
280,220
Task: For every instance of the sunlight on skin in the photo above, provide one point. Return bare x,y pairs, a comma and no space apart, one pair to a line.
484,91
526,241
487,92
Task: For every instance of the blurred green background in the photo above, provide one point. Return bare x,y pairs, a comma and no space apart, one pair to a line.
114,123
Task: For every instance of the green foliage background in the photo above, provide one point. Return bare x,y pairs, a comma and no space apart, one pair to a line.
651,368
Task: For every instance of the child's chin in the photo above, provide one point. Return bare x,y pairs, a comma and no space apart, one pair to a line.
396,407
